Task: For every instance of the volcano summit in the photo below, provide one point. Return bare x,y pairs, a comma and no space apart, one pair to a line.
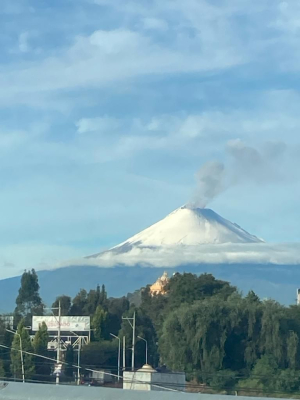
191,226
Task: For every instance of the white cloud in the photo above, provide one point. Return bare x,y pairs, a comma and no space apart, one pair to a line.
107,57
101,124
173,256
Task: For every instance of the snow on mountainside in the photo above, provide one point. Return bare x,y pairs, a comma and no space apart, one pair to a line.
186,236
191,226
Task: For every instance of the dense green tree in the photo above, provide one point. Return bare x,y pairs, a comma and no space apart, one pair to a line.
79,303
6,339
40,343
100,355
69,369
65,304
272,340
292,346
144,329
86,303
187,288
28,302
23,338
116,308
2,370
99,323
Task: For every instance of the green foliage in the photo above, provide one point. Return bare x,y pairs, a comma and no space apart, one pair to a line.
40,342
86,303
65,305
144,329
22,339
102,354
116,308
6,339
79,302
201,325
187,288
28,302
224,379
292,346
99,322
2,370
69,369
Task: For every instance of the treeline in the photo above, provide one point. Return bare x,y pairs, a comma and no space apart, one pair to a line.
203,326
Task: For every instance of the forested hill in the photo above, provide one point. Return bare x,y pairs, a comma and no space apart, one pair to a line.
222,340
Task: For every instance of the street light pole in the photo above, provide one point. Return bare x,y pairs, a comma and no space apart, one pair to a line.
146,347
58,343
78,356
124,353
133,337
78,363
21,353
119,354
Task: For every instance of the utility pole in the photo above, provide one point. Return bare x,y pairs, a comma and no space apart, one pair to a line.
78,362
133,342
124,353
132,324
119,354
140,337
58,343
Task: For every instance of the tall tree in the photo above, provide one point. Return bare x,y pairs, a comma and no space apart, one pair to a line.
65,304
28,302
79,303
98,323
6,339
69,369
292,349
23,338
40,343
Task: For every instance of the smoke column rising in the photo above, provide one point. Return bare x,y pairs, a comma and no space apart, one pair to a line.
245,164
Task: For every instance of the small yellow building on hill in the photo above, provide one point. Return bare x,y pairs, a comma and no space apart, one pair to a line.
159,287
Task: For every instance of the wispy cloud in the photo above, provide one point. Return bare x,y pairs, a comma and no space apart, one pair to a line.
100,125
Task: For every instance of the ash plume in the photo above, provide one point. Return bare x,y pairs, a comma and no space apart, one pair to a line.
210,183
244,164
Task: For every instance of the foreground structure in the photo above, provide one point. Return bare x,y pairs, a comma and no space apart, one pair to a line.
31,391
147,378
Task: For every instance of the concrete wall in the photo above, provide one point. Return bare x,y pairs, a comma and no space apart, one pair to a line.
169,381
31,391
137,380
143,380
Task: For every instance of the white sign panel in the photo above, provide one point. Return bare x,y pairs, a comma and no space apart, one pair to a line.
67,324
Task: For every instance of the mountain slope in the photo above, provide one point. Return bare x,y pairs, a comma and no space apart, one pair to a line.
189,227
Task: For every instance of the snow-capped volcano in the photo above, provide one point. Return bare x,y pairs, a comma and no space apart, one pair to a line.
190,226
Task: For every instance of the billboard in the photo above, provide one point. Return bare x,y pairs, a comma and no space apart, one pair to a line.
67,324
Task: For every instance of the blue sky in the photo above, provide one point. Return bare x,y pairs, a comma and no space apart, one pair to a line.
109,108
